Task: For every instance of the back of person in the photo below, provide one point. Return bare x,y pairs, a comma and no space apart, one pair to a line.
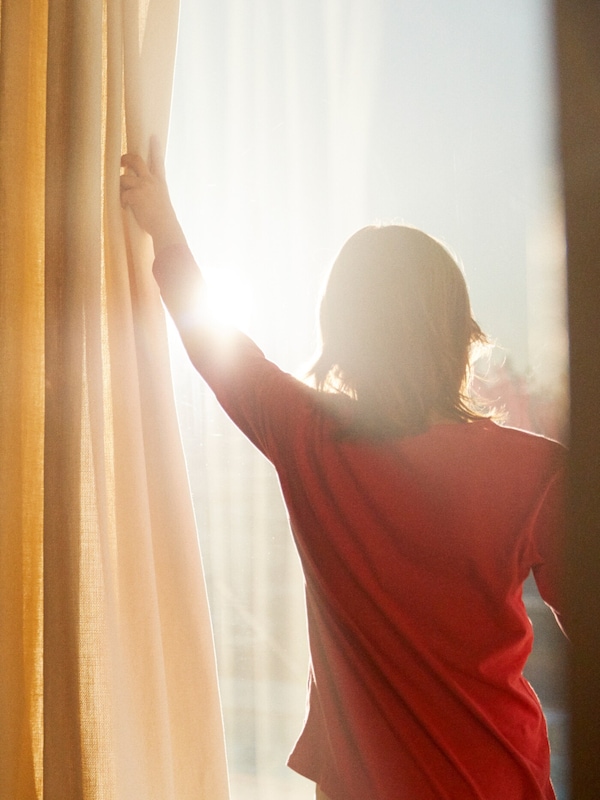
414,551
418,630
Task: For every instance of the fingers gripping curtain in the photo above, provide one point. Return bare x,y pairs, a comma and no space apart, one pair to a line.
125,663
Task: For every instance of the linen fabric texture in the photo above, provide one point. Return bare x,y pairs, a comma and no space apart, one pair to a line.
108,685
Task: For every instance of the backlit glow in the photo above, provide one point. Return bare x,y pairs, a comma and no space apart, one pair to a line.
229,299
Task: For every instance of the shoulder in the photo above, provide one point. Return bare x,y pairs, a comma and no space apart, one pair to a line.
517,437
522,449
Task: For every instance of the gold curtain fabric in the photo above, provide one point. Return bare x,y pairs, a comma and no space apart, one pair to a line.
108,685
22,132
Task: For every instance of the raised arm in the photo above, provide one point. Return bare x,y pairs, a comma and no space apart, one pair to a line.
232,365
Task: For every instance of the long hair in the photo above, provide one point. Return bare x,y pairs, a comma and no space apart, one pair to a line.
397,332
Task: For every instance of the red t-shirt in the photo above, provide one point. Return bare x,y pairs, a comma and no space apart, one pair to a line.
414,553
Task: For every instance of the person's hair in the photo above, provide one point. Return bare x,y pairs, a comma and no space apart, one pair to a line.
397,332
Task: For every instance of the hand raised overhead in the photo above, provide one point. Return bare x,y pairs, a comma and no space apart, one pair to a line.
144,190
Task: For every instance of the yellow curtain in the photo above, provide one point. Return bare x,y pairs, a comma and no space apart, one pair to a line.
22,131
108,685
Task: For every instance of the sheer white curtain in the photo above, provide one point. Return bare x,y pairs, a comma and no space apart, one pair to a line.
295,122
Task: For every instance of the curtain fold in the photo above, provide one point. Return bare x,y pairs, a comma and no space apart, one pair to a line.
100,495
22,157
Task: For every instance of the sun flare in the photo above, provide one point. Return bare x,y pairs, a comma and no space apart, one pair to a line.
229,299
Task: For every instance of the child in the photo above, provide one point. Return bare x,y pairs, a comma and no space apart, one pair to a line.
416,519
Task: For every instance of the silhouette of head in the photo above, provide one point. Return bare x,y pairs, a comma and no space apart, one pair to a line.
397,330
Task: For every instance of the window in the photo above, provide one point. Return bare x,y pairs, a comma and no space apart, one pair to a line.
294,124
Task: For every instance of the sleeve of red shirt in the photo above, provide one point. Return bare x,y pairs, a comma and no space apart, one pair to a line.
229,361
548,543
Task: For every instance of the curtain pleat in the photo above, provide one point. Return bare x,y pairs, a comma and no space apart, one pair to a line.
22,131
98,535
73,261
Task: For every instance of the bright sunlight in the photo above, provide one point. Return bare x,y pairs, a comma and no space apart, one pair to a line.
230,299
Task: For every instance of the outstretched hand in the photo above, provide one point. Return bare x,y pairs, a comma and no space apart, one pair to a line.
144,190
